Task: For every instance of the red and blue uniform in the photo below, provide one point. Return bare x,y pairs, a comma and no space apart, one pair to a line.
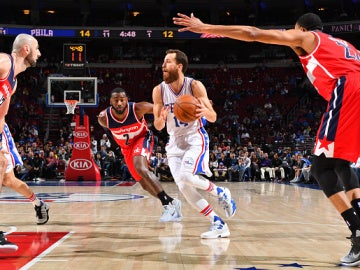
8,84
7,88
334,70
132,135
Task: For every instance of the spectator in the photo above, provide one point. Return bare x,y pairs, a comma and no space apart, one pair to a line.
108,164
50,166
105,141
238,171
213,162
99,162
220,172
286,161
255,168
38,163
247,166
278,166
305,164
266,166
63,155
94,145
23,171
296,167
163,170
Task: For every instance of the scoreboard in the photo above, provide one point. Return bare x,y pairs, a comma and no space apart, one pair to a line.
144,33
96,32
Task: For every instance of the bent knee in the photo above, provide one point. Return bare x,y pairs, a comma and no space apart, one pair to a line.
184,179
11,181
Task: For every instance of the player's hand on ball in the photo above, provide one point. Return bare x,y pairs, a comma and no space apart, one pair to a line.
201,109
164,112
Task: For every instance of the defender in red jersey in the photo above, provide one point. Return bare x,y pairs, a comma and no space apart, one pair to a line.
130,131
333,67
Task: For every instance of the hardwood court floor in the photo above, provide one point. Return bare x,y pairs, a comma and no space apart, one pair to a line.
277,226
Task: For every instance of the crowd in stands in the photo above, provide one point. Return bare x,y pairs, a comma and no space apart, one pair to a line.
267,119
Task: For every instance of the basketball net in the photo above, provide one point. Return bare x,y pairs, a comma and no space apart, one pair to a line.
71,105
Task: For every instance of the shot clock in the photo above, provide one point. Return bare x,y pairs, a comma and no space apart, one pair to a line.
74,55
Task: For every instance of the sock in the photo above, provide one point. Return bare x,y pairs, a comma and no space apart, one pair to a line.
214,189
206,209
352,220
164,198
356,205
34,200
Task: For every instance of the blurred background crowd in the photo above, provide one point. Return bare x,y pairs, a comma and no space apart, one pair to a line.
268,112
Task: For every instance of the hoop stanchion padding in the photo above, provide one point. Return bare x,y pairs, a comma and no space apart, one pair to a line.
82,165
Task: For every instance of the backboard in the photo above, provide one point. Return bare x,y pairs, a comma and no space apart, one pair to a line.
83,89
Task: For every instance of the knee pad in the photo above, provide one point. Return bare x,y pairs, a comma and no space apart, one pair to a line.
347,175
325,171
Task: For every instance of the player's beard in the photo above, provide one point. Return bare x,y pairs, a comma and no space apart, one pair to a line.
117,110
32,62
172,76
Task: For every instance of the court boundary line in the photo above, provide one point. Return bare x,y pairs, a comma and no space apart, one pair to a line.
46,251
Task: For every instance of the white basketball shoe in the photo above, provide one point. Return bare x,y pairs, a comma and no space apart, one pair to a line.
171,212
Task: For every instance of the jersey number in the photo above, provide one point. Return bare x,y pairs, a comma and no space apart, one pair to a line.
178,123
126,138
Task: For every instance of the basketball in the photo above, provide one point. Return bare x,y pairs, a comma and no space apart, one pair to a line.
185,108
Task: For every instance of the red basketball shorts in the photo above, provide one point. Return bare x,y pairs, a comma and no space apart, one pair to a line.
339,133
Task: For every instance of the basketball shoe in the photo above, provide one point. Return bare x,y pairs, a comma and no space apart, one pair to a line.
171,212
226,202
218,229
42,213
353,257
5,245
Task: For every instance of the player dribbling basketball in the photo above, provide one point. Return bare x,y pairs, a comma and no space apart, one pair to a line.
129,129
188,146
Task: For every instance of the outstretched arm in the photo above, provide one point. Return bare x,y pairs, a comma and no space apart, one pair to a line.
294,38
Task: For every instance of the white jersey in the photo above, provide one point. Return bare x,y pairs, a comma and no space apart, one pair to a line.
173,125
188,145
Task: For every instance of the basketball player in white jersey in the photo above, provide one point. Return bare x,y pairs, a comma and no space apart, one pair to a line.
188,146
25,53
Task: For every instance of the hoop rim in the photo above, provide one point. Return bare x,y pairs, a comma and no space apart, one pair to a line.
71,101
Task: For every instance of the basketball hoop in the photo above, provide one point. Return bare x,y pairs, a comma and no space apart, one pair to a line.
71,105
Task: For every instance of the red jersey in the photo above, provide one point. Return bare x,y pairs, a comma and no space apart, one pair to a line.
331,59
127,131
8,84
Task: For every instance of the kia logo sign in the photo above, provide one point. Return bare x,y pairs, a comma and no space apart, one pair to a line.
81,134
81,145
81,164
